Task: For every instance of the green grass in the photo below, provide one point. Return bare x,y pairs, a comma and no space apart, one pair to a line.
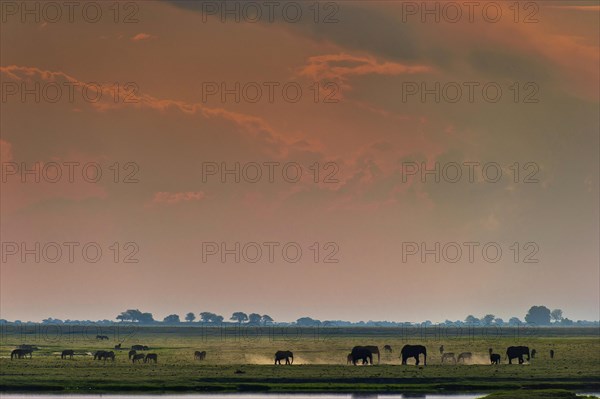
319,366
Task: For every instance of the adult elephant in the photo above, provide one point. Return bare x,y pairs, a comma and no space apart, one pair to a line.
414,351
361,353
67,353
517,352
374,350
284,355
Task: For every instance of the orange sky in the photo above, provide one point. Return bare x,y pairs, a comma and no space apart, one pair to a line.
169,122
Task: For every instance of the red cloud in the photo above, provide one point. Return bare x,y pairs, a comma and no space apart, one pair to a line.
164,197
340,67
142,36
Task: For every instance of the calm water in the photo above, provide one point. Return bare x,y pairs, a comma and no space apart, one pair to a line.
255,396
247,396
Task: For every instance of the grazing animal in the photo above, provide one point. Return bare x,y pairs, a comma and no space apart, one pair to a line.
104,355
533,353
118,347
131,353
151,356
361,353
551,353
374,350
20,353
281,355
349,358
441,349
513,352
449,356
494,357
137,357
199,355
138,347
144,348
464,356
67,352
108,355
387,348
101,337
414,351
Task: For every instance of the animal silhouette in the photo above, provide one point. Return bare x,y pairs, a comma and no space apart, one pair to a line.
494,357
448,356
137,357
199,355
131,353
413,351
551,353
361,353
464,357
441,349
151,356
513,352
388,348
67,352
21,353
533,353
281,355
349,358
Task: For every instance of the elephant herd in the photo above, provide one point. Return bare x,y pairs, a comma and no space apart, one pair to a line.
359,354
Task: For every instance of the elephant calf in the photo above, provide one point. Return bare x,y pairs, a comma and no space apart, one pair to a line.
494,357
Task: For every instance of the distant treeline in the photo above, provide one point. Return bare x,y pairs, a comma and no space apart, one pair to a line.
537,315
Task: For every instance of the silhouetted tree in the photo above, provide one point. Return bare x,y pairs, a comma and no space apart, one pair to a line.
134,315
556,315
566,322
539,315
514,321
254,318
487,319
209,317
240,317
172,318
470,319
190,317
307,321
266,319
498,321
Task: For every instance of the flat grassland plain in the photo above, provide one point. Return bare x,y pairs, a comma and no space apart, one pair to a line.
241,360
